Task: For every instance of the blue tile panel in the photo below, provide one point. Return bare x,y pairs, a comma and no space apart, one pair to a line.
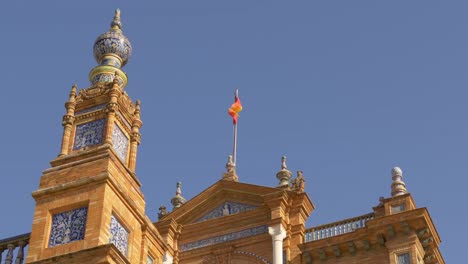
91,109
119,142
68,227
228,208
404,258
224,238
89,134
118,235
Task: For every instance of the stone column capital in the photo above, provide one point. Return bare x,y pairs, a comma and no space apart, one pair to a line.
277,232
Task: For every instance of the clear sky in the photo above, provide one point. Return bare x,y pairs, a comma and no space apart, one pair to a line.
345,89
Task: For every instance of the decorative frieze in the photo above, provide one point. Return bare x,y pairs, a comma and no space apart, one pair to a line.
224,238
228,208
91,109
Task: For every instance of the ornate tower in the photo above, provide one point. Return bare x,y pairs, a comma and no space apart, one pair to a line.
89,204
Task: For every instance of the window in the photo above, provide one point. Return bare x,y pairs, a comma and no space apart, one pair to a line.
403,258
398,208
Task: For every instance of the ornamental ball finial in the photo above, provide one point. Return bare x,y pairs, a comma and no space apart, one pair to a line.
396,171
398,185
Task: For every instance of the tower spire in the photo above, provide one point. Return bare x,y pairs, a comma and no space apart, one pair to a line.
111,51
398,186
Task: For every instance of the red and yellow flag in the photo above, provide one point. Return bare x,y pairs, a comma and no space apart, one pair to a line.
235,108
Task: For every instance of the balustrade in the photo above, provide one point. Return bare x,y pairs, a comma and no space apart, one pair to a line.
12,246
337,228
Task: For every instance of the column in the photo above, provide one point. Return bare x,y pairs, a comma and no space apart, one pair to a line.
277,234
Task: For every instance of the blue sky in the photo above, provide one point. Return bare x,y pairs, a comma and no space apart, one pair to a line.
345,89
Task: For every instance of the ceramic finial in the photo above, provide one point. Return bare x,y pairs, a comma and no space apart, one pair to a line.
116,24
398,186
283,175
177,201
283,163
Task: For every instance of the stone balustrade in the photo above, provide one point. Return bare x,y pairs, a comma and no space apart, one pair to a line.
337,228
14,246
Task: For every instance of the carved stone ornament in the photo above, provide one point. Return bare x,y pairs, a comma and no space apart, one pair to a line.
93,91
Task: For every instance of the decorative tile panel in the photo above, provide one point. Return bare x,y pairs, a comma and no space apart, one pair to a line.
228,208
68,227
118,235
119,142
91,109
89,134
404,258
224,238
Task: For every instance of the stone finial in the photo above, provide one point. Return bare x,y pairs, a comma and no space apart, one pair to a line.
72,95
283,175
137,109
177,201
230,164
298,184
162,212
398,186
230,174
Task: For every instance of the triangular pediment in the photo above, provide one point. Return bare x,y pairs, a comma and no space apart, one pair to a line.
222,199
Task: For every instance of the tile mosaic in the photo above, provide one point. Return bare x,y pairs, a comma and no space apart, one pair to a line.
118,235
68,226
89,134
119,142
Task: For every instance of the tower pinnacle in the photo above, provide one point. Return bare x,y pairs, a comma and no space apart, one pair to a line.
111,51
177,201
398,186
283,175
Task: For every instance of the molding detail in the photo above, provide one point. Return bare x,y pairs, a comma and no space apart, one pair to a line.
260,258
228,208
91,109
224,238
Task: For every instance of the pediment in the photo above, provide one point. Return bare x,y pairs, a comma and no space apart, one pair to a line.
222,199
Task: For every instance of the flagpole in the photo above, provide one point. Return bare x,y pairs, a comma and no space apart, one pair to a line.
234,147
